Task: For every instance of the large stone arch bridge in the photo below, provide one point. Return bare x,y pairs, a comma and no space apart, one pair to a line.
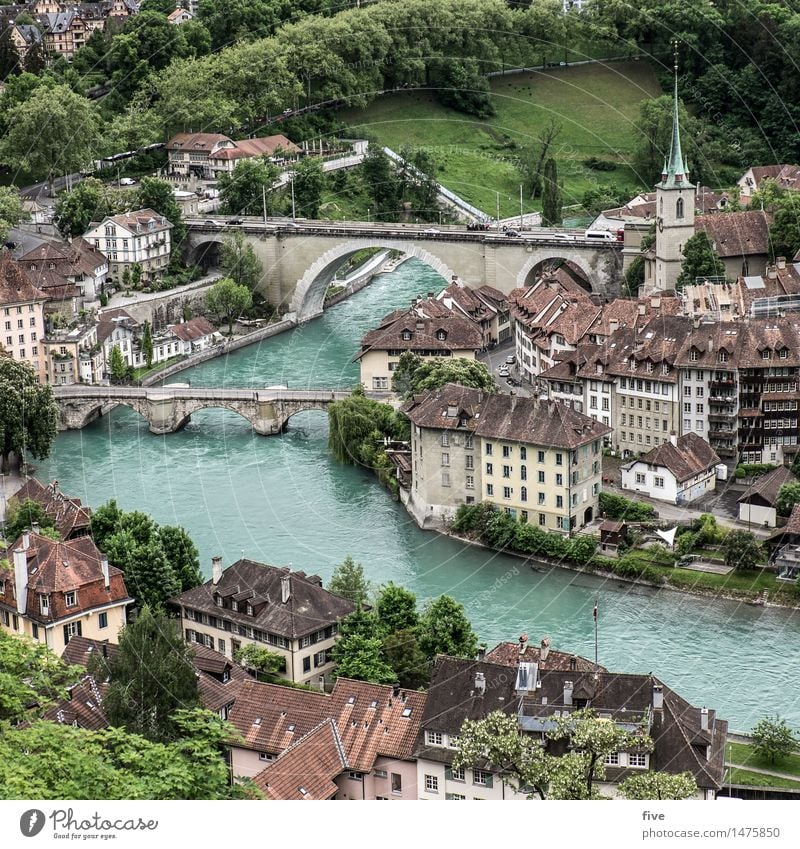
301,258
169,408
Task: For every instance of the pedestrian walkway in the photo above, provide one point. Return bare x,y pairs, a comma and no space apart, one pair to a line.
788,776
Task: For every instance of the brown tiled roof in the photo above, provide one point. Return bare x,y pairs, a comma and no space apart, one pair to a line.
195,141
57,567
791,528
764,489
461,333
195,328
307,769
15,285
372,721
689,457
83,707
737,233
503,417
265,146
109,320
68,514
770,334
80,650
550,308
508,654
308,608
138,221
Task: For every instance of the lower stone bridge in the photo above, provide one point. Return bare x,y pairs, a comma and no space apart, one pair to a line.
169,408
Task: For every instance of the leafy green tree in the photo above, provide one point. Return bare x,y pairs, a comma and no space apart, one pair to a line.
198,38
136,127
531,158
700,260
634,276
157,195
361,622
21,515
9,55
396,608
89,201
147,343
11,211
402,652
361,657
348,580
182,555
659,785
239,262
47,760
31,679
788,496
106,521
459,83
784,232
603,197
249,188
417,182
415,374
91,58
445,629
773,739
150,677
742,550
36,57
149,576
309,183
120,371
163,7
28,413
226,300
54,132
265,664
551,195
381,183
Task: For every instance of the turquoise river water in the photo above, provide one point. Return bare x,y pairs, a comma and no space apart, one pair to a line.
285,501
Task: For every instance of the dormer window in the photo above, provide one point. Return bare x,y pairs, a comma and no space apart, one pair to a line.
441,335
765,354
783,353
234,605
249,609
664,368
598,368
218,600
70,599
722,357
632,363
452,412
693,355
407,335
44,604
648,366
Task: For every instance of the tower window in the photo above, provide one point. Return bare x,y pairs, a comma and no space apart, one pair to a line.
679,208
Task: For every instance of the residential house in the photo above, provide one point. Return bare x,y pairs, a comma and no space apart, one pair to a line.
685,738
512,654
785,176
21,316
679,471
55,590
254,603
784,543
539,461
197,334
134,238
277,149
740,238
428,329
757,504
117,329
180,16
207,155
75,355
70,518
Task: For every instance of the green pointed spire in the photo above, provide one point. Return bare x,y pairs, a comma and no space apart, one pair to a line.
675,173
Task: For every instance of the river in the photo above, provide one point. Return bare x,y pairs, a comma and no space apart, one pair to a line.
285,501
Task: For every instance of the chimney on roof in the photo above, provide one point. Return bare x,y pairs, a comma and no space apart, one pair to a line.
513,397
26,540
772,272
655,303
710,344
523,643
696,323
481,653
104,570
613,325
216,569
286,589
544,649
642,309
395,690
35,527
704,718
673,438
21,579
658,697
568,692
480,683
573,663
781,262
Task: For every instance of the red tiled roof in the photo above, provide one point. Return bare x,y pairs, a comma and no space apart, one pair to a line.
265,146
195,141
195,328
15,285
737,233
691,456
68,514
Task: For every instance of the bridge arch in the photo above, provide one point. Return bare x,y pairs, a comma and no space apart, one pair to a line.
542,257
309,293
203,250
90,412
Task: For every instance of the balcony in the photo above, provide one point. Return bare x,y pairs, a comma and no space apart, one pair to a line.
722,415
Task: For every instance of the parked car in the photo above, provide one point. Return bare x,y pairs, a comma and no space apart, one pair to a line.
235,221
127,181
513,233
511,359
430,230
503,371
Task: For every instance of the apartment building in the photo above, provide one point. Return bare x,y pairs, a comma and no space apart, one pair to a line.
539,461
21,316
74,355
134,238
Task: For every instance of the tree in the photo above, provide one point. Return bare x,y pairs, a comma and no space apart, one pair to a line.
240,263
227,301
459,83
120,371
90,201
264,663
11,211
48,760
164,7
21,515
9,55
54,132
106,520
149,576
445,629
150,677
659,785
634,276
36,57
381,182
157,195
532,157
182,555
396,608
742,550
361,657
28,412
309,183
31,679
415,374
788,496
348,581
773,739
551,195
699,260
147,343
250,188
784,232
402,652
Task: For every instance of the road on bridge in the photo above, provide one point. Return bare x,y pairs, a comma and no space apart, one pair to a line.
194,393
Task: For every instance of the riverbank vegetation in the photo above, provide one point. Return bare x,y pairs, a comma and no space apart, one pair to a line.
415,374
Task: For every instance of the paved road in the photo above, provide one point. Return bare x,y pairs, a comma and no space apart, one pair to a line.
495,358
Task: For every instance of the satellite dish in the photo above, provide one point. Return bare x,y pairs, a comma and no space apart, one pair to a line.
668,536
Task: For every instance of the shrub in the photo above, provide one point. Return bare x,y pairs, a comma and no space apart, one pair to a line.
618,507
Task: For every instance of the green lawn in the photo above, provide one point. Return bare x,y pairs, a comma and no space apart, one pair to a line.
733,775
745,755
596,106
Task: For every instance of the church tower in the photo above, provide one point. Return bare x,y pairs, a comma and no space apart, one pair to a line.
674,209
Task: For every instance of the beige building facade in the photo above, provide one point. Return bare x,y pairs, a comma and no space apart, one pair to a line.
21,316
